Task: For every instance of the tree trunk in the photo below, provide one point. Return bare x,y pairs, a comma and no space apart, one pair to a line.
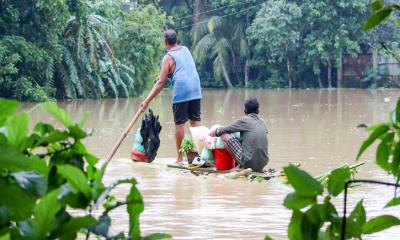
197,7
226,74
317,64
289,72
320,81
375,60
235,65
329,67
340,70
246,73
375,57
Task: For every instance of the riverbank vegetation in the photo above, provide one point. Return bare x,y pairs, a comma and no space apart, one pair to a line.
70,49
285,43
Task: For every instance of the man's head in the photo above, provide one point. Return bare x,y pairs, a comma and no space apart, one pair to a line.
251,106
170,38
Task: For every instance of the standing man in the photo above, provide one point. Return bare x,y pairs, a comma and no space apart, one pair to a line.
178,66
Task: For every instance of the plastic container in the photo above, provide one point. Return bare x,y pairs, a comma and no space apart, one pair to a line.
138,156
223,160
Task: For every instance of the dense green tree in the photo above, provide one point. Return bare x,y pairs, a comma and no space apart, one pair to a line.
24,73
139,45
29,36
215,44
275,33
331,28
114,56
77,48
93,49
88,68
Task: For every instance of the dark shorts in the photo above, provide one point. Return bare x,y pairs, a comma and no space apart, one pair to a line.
236,149
187,110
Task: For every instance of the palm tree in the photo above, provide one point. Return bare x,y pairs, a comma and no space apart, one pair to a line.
88,68
223,42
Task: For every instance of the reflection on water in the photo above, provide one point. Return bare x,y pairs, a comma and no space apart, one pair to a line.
316,128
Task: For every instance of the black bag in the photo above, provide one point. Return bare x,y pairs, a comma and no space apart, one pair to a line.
150,131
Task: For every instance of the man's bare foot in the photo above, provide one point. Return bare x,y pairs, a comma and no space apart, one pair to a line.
179,161
180,164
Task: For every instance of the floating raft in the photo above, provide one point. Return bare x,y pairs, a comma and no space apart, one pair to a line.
267,175
163,164
197,169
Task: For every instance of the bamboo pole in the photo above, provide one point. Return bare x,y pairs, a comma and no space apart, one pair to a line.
123,136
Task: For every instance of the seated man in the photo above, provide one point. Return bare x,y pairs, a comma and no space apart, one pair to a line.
252,150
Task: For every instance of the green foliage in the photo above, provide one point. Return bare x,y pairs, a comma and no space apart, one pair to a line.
223,46
21,74
337,180
67,49
380,12
380,223
388,135
332,28
313,35
187,146
46,174
96,49
140,51
312,219
30,40
270,40
304,184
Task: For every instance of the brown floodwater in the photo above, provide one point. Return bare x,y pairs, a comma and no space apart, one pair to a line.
314,128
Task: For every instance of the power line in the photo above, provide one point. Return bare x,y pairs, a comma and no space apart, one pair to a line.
227,15
212,10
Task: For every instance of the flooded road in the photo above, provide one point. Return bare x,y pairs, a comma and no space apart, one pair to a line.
314,128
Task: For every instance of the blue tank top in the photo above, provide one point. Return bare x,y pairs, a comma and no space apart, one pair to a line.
185,79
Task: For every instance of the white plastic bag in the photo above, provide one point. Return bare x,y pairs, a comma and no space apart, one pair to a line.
201,138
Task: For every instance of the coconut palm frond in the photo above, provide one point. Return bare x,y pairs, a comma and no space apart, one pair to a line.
113,87
102,24
199,31
73,72
92,46
126,74
106,47
244,50
130,83
222,48
49,76
217,66
100,83
121,86
127,68
84,60
69,89
71,27
215,23
203,47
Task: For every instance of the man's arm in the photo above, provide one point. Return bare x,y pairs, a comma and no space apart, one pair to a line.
162,80
240,125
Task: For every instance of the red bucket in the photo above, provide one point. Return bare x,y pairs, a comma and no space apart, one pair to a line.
138,156
223,160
